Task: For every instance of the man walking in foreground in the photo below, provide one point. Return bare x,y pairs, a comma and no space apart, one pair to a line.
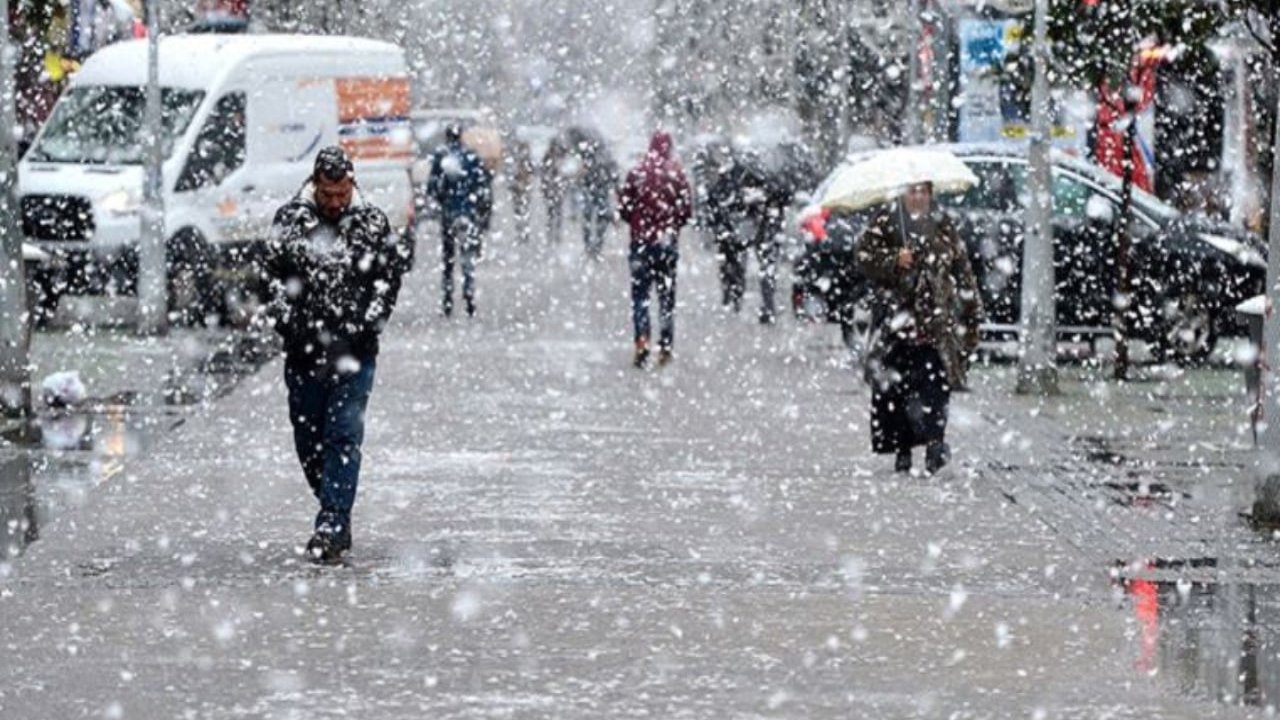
656,201
461,190
334,266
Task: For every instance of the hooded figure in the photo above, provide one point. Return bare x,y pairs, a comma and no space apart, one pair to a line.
656,202
334,267
926,325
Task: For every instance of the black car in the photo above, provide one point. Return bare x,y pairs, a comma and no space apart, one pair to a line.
828,285
1188,273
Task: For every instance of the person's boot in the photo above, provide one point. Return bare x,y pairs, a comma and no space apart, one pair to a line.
902,463
936,457
642,353
327,545
665,357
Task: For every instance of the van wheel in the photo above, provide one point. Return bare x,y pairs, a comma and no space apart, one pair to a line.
193,293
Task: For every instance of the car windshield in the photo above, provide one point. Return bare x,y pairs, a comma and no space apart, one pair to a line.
104,124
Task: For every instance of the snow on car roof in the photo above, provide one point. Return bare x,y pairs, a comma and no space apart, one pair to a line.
195,61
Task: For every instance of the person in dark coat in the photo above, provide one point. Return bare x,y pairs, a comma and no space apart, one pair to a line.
598,180
926,321
333,265
656,201
765,200
460,189
554,183
722,210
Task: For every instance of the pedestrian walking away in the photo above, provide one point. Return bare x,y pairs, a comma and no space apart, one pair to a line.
925,320
765,200
460,191
554,183
598,179
656,201
520,172
722,211
334,267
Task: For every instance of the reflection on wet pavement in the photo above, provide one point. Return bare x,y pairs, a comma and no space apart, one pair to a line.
1209,640
75,453
53,463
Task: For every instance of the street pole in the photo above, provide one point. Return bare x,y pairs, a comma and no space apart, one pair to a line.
1037,365
1270,327
912,131
15,329
1266,508
153,301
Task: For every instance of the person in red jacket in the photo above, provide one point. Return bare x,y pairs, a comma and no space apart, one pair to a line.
656,201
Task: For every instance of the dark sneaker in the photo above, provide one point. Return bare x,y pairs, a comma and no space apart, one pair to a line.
936,457
902,463
471,309
665,357
326,546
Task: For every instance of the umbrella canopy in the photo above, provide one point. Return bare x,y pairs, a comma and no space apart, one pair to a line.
884,175
486,142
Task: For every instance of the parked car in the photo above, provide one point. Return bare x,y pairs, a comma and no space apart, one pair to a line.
241,129
1188,272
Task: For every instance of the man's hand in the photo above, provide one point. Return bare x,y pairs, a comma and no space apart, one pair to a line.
906,259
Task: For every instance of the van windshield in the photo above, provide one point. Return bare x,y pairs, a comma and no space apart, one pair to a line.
101,124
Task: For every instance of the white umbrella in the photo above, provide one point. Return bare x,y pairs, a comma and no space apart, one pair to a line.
884,175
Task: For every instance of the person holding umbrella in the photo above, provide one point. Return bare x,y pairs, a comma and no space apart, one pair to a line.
926,319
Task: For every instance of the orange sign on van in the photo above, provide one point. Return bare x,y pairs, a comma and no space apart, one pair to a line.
374,118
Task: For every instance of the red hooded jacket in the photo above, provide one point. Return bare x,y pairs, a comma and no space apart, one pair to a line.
656,200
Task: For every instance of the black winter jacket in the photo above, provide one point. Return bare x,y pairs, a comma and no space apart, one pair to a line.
333,285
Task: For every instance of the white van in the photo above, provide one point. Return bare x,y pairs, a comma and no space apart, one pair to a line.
244,116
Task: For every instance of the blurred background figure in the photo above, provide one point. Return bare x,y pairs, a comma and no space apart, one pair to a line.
554,183
520,174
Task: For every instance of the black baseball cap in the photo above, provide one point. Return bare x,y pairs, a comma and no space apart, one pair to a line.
333,164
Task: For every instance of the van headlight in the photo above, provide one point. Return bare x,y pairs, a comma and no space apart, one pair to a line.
120,202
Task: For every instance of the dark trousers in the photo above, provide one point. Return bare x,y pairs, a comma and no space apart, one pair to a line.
327,412
909,399
520,204
555,219
459,236
733,267
595,222
653,267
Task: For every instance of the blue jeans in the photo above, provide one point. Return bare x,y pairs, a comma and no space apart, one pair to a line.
653,266
459,236
327,412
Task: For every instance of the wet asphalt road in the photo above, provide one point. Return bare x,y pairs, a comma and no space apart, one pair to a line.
543,531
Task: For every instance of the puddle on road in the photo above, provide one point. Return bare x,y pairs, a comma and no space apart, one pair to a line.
68,454
74,454
1213,641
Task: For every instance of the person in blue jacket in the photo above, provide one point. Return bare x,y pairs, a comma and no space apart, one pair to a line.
460,190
